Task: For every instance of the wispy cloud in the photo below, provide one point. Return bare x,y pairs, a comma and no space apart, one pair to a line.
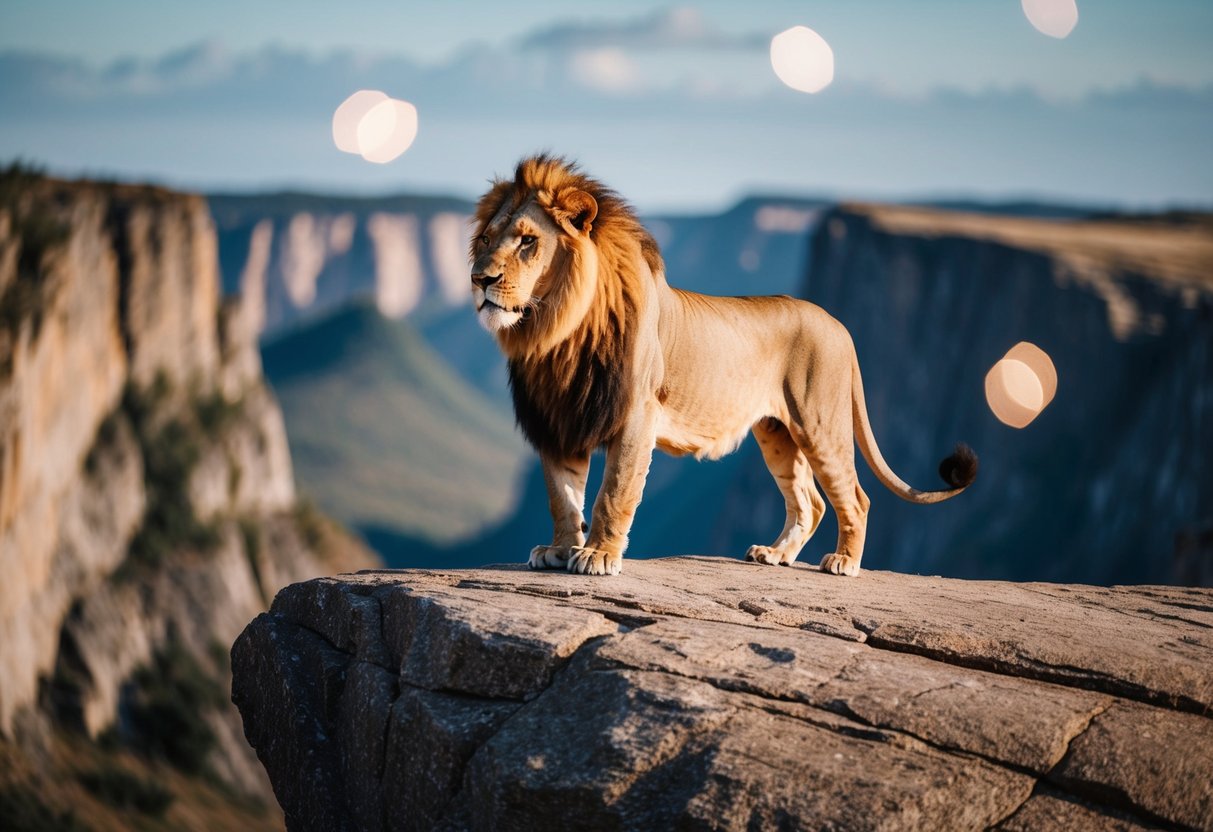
680,27
642,98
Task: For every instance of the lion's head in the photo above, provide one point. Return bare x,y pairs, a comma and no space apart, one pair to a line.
526,236
540,242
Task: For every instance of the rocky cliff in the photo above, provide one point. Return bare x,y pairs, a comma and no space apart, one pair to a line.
713,694
1110,483
298,256
147,506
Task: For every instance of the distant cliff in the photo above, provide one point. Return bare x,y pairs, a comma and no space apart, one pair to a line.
1113,477
298,256
147,506
705,693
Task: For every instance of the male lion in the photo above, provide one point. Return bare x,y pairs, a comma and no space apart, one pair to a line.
603,352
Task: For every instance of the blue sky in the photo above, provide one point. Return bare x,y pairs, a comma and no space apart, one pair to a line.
931,97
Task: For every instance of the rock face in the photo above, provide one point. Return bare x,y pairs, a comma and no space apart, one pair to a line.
147,501
713,694
1109,484
298,256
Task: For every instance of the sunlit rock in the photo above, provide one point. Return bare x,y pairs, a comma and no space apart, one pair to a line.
448,242
398,275
303,256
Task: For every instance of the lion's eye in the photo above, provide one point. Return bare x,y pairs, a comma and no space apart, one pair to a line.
528,239
484,238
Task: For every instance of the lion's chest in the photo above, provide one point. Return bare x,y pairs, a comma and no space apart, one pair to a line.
568,408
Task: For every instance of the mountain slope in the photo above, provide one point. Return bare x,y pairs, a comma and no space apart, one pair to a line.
383,433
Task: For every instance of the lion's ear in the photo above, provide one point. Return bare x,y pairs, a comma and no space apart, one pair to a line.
575,211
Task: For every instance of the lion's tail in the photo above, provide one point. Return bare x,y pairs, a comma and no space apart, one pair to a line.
958,470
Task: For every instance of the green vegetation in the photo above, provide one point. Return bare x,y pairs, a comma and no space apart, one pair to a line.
215,413
40,229
221,657
310,522
75,785
170,452
168,702
250,536
107,435
120,788
23,810
385,435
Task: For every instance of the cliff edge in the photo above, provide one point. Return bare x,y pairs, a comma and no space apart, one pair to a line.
147,512
715,694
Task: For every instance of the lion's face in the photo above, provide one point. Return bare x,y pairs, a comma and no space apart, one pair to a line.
514,252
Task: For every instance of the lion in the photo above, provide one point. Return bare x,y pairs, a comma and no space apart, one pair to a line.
603,353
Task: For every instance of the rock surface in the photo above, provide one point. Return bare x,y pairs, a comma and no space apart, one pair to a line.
147,502
715,694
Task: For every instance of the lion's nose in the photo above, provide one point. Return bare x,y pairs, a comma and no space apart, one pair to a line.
484,281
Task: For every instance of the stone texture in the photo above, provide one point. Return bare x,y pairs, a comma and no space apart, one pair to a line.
708,693
430,739
1172,763
1049,811
128,297
482,643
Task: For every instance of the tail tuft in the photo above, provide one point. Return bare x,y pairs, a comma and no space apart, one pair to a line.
960,469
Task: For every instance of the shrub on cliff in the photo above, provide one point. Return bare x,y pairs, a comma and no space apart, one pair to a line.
170,451
124,790
165,714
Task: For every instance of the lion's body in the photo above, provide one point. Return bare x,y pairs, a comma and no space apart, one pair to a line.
603,353
730,362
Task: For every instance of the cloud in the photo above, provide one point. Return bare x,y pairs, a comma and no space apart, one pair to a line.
205,78
680,27
658,99
605,69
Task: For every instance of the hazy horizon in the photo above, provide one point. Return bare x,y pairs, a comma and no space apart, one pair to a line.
676,107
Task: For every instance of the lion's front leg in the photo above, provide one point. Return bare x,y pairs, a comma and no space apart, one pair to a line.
565,480
627,466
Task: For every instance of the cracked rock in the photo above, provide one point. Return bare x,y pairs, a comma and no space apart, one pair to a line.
712,694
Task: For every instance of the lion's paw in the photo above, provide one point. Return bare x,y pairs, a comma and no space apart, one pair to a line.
587,561
767,555
549,557
837,564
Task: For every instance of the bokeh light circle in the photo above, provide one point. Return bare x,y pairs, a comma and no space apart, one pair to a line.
1021,384
349,114
1014,392
374,126
1055,18
1038,361
802,59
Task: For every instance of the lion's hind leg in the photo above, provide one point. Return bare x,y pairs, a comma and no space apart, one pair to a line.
789,466
832,457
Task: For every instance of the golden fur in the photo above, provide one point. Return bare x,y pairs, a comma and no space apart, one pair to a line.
603,353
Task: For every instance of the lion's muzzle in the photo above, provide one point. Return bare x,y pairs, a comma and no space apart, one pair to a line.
484,281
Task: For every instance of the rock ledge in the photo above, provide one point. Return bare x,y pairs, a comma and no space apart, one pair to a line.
710,693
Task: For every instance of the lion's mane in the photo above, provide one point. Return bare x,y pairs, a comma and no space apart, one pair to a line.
571,378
